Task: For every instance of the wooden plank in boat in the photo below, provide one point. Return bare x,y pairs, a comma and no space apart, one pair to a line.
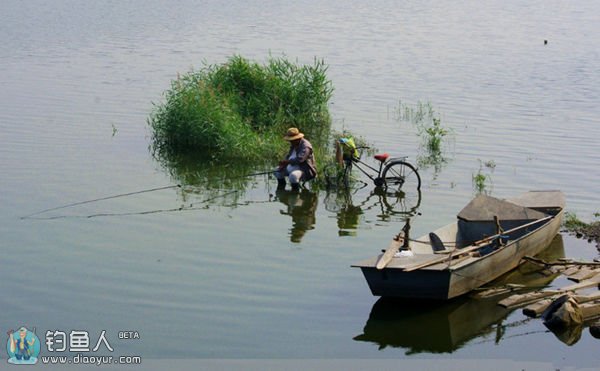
539,199
410,263
367,263
407,263
398,262
432,260
485,208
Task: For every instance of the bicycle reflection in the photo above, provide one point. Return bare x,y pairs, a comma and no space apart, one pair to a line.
386,207
302,207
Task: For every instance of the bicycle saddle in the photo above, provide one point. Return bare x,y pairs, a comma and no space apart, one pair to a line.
382,157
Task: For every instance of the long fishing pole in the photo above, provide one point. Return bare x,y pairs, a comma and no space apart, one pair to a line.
100,199
257,174
123,195
146,212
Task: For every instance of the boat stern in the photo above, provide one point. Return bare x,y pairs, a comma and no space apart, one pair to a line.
397,283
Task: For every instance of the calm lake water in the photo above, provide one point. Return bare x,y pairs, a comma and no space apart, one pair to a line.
255,274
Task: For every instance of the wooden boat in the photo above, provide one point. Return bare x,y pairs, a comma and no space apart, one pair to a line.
489,238
434,327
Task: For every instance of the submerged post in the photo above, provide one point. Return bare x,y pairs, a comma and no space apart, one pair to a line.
406,230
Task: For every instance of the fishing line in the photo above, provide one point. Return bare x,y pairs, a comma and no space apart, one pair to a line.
100,199
513,336
31,216
146,212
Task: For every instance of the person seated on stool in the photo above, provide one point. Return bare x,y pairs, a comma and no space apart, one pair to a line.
299,164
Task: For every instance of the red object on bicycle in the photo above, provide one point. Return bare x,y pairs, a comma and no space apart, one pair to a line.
382,157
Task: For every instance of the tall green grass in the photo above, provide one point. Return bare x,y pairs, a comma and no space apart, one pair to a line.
241,109
482,182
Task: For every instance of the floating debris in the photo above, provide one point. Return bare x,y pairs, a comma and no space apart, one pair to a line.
564,310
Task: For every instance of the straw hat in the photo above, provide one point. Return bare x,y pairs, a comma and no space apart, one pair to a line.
293,134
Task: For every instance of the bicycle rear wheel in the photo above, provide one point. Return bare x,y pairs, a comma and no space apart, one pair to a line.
401,176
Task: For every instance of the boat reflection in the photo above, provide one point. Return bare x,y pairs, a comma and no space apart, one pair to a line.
379,206
443,327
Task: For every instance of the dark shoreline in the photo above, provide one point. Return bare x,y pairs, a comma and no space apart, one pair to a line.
591,232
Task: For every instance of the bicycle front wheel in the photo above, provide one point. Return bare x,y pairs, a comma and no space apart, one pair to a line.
400,175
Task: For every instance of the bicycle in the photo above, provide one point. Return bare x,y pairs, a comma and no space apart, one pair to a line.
394,173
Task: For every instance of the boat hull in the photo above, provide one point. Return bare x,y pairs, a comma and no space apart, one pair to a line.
420,284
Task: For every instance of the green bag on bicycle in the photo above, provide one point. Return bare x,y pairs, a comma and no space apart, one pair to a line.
349,148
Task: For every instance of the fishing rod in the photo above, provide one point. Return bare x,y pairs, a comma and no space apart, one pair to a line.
257,174
145,212
100,199
30,216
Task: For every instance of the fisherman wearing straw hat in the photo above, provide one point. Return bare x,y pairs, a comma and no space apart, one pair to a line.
299,164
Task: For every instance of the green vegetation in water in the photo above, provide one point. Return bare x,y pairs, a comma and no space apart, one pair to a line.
240,110
572,223
431,131
428,124
479,182
422,112
482,182
435,160
590,231
434,134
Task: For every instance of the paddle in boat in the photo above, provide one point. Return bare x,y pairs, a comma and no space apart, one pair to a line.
489,238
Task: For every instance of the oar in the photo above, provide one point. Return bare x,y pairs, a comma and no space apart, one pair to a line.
510,230
476,246
388,255
399,241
